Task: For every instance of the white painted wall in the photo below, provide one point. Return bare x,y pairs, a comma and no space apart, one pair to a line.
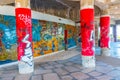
10,10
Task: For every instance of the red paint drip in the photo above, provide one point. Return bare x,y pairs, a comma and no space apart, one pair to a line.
104,31
23,27
87,28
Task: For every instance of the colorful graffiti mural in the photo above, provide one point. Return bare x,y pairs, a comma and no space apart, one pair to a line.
8,38
48,37
71,35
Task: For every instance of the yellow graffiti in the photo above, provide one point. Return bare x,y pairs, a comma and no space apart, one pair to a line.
10,54
38,46
71,30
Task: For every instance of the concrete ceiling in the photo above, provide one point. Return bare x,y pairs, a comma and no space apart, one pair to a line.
112,5
3,2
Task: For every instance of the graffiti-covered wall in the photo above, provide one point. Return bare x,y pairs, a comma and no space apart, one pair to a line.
8,38
72,33
48,37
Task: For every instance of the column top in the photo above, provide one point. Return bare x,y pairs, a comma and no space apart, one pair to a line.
105,12
22,3
86,4
107,15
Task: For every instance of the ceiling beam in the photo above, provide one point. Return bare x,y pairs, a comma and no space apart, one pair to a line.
114,3
73,0
63,3
3,2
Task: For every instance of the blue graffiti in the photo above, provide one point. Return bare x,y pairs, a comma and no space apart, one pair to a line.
36,29
47,37
10,22
71,42
9,36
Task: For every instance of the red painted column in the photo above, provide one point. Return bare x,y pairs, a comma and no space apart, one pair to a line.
65,38
24,34
87,27
87,32
104,34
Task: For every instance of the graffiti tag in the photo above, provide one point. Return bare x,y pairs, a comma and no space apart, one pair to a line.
25,18
27,58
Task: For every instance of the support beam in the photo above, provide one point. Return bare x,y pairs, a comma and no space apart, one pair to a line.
63,3
114,33
24,34
3,2
87,32
96,34
104,33
66,39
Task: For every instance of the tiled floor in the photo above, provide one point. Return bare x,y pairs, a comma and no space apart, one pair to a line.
68,69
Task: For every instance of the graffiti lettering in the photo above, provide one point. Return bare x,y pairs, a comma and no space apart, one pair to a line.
27,58
25,18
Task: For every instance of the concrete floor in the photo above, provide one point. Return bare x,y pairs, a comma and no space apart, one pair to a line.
70,69
107,68
114,49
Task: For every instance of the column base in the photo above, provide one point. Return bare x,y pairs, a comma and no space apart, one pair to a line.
24,68
105,52
88,61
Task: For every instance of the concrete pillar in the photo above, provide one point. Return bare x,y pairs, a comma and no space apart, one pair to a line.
65,39
114,33
104,33
24,34
87,32
96,34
